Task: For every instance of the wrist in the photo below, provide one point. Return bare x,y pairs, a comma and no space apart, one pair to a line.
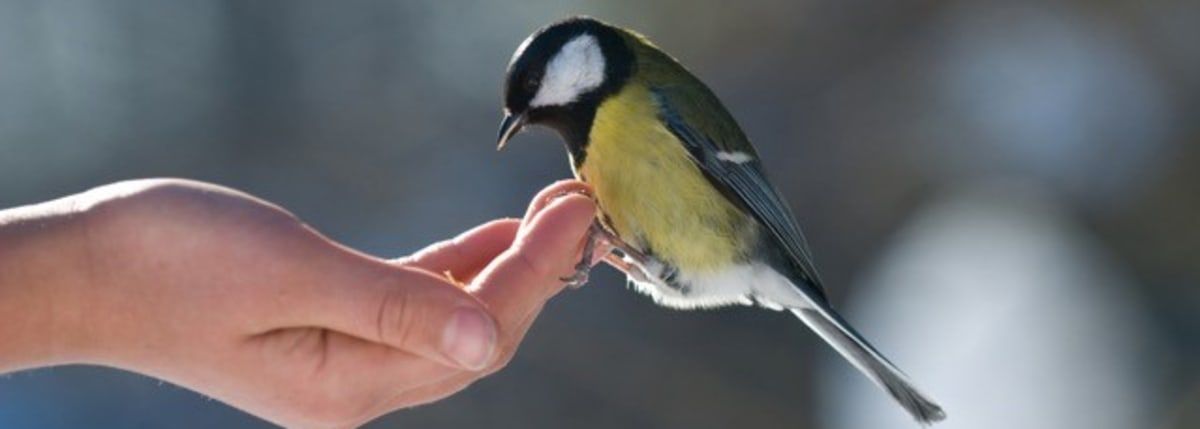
42,265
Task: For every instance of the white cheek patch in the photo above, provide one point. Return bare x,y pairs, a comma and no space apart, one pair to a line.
734,157
577,68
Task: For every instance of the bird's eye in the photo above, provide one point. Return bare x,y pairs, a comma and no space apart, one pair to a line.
531,81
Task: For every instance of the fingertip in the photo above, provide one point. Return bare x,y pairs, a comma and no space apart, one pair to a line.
551,240
469,338
425,315
550,193
565,214
529,272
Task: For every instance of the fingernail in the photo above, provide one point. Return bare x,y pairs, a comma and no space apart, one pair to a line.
469,339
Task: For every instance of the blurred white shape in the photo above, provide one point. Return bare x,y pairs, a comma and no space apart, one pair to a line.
1000,307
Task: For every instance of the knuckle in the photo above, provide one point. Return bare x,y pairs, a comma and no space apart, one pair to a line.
397,316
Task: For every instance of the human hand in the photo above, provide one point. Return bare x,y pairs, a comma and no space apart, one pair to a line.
233,297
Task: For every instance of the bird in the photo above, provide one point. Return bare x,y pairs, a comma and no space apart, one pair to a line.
683,200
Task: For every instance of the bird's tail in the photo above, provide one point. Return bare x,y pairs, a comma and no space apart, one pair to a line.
830,326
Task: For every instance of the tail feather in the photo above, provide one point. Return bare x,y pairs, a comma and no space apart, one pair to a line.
831,327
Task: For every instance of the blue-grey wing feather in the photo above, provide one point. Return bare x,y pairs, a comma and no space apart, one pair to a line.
745,182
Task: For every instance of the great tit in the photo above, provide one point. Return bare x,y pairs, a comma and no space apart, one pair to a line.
682,196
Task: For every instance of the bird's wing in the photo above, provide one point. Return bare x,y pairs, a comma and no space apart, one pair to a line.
726,157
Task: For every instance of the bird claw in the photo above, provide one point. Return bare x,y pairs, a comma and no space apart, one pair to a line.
630,261
584,266
587,192
577,280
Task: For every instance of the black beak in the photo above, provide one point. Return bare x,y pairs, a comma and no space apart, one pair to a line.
511,125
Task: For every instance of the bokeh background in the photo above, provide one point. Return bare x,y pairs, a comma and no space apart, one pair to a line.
1003,195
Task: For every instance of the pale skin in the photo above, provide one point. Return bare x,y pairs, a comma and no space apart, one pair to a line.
234,297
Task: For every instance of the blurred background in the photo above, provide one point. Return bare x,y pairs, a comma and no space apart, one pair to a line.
1004,196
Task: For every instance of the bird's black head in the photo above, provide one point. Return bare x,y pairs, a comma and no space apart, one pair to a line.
560,74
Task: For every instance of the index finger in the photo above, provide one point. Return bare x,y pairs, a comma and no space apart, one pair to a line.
551,193
468,253
546,249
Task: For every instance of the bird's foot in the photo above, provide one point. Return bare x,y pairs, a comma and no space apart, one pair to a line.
633,263
584,266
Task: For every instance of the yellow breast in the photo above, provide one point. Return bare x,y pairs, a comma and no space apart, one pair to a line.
653,194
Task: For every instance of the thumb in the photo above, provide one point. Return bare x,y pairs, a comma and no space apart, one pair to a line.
426,315
400,307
